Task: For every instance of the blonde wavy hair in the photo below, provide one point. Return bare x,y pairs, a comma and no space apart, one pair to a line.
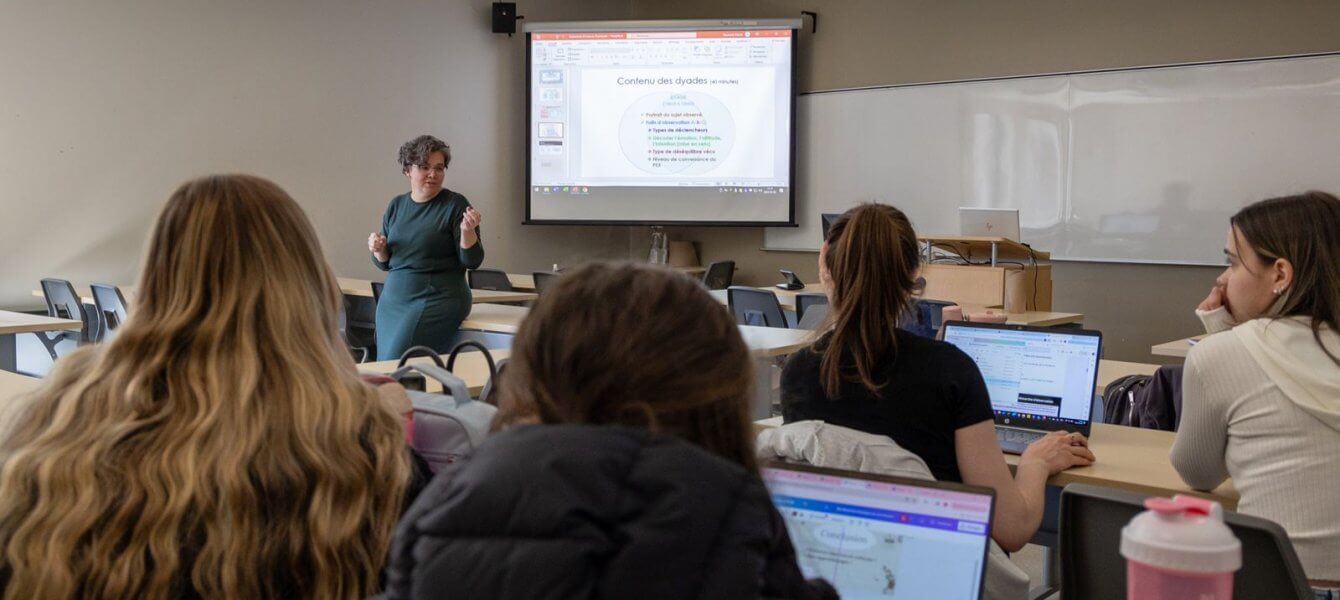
221,444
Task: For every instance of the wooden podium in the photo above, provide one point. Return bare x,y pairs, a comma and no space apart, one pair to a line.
1002,273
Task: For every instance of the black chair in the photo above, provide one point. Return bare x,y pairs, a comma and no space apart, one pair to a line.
111,307
926,317
752,306
1092,566
719,275
360,326
63,303
377,292
489,279
806,301
543,279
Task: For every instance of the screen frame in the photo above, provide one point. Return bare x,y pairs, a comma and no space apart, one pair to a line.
663,25
1039,424
948,486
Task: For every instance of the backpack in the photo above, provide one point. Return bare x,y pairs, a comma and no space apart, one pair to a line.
1119,400
447,426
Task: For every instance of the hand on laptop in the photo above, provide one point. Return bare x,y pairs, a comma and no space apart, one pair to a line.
1059,450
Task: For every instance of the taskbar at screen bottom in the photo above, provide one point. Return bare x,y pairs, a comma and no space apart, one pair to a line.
736,205
714,191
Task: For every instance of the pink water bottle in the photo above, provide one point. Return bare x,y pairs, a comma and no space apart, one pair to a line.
1180,549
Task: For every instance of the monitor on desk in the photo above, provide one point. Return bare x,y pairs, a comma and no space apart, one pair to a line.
873,536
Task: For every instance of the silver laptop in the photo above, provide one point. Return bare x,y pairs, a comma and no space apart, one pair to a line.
989,222
1039,379
873,536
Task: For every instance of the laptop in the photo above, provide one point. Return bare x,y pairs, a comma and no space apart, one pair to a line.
874,536
989,222
1040,379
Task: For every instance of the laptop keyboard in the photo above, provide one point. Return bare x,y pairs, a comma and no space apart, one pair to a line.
1015,441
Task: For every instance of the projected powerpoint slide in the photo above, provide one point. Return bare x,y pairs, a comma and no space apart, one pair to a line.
661,126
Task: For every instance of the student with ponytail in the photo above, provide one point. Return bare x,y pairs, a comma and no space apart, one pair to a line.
866,373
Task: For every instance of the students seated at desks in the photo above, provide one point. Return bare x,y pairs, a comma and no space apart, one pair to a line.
222,445
624,466
867,374
1262,403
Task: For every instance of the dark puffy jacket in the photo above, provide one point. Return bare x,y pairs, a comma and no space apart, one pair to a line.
573,512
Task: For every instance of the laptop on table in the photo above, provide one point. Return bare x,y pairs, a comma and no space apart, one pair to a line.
1040,379
874,536
989,222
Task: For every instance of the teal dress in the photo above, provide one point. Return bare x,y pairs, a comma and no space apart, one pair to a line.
426,296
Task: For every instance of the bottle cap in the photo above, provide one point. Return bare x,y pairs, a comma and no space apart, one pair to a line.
1183,533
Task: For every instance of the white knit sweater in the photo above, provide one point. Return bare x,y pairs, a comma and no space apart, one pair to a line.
1261,403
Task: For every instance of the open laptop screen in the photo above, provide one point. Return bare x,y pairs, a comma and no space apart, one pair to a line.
883,537
1037,377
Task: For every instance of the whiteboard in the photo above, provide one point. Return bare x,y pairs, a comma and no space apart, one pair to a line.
1142,165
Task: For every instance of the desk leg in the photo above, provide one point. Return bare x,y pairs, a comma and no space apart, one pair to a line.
761,405
1051,575
9,360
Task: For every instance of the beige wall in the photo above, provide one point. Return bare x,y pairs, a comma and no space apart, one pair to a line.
882,42
107,106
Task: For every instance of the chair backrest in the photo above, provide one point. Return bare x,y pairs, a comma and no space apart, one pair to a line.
926,317
719,275
752,306
807,300
1092,566
64,303
543,279
111,307
360,322
377,291
489,279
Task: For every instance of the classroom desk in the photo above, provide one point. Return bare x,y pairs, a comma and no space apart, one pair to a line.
1129,458
363,287
14,323
470,367
1175,348
763,342
495,317
526,281
1035,318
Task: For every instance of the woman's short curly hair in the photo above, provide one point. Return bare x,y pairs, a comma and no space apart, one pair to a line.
417,151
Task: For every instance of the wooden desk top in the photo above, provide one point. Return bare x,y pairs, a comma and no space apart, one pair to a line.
470,367
1175,348
762,341
1035,318
767,342
1128,458
363,287
13,384
16,322
495,317
526,281
523,282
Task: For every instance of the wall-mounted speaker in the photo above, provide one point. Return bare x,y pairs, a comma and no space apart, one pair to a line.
504,17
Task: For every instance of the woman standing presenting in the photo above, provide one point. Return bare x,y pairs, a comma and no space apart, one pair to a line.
429,237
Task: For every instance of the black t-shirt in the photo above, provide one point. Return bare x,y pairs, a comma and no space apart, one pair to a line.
931,389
